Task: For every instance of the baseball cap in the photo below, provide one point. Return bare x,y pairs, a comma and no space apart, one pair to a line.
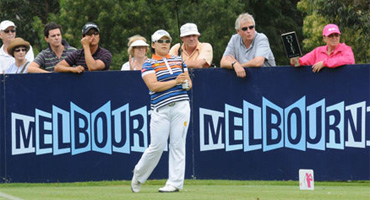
189,29
330,29
139,43
159,34
5,24
88,26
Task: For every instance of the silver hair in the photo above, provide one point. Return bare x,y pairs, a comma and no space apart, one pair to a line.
245,17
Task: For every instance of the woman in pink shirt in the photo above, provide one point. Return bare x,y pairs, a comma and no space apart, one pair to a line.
333,54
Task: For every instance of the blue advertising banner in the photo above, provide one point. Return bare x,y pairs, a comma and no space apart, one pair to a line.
2,128
279,120
94,126
67,127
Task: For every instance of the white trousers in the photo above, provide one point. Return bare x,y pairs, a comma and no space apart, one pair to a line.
169,121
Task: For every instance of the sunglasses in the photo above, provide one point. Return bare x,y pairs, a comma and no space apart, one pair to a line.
248,27
19,50
7,31
333,35
164,41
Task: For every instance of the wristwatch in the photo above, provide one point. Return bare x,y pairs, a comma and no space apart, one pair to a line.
232,64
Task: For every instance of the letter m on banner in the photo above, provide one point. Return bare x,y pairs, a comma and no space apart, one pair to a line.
22,134
210,130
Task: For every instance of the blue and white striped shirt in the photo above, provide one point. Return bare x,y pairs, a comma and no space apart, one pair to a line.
166,69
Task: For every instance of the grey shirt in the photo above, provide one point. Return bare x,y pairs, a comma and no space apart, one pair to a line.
259,47
47,59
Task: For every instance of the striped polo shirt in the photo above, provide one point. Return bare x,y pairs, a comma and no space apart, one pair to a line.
47,59
166,69
78,58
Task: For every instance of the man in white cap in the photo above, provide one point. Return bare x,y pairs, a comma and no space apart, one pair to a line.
7,35
194,53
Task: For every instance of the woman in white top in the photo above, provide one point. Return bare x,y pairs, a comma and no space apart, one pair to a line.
137,49
18,48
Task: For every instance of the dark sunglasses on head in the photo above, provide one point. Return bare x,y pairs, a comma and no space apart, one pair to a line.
19,50
164,41
248,27
7,31
92,33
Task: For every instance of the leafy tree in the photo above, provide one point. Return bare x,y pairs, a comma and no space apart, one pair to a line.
120,19
29,17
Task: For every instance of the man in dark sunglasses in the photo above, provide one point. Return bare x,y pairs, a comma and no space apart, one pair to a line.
7,35
247,48
91,57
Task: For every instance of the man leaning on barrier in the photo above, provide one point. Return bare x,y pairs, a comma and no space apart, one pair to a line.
91,57
247,48
58,49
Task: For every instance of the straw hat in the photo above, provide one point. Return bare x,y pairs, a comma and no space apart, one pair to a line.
17,42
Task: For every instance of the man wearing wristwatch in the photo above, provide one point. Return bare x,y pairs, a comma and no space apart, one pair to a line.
247,48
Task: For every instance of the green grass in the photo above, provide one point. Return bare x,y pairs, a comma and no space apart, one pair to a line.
193,189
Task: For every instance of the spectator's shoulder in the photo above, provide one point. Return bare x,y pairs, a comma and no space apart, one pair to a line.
261,36
235,37
105,50
174,49
206,44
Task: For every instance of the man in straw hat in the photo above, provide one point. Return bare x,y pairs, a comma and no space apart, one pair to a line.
18,49
7,35
194,53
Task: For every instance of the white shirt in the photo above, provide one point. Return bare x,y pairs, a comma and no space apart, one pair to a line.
126,66
13,69
7,60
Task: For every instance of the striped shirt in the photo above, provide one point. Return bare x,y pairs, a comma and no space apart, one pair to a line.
47,59
78,58
166,69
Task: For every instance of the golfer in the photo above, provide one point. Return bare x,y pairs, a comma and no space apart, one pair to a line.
168,80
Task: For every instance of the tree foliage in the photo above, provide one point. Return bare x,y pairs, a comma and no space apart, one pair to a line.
120,19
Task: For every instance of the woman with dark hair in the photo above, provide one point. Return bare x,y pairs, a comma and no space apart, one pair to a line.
18,48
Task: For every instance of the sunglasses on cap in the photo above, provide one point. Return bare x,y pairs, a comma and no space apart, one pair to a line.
248,27
20,49
7,31
164,41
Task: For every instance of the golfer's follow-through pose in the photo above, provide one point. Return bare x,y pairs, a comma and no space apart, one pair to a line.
168,80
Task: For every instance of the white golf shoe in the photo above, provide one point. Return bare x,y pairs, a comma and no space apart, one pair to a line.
168,188
135,184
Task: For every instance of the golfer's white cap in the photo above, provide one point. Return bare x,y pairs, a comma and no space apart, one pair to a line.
159,34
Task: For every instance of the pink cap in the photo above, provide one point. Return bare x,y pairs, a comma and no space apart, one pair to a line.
330,29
